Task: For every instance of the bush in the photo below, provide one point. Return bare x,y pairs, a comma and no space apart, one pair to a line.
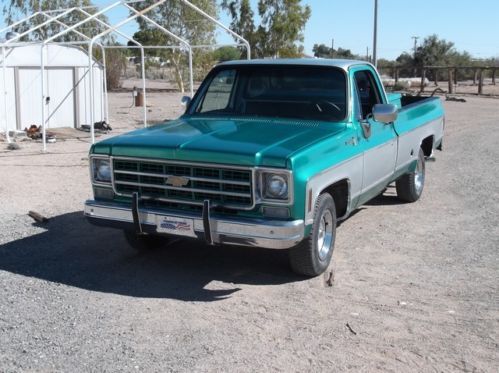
116,62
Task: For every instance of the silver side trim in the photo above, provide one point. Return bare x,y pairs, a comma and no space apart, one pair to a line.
270,234
349,170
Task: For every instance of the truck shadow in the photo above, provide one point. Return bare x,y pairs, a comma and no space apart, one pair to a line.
388,197
72,252
385,200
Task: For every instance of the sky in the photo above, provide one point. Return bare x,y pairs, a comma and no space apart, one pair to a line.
474,28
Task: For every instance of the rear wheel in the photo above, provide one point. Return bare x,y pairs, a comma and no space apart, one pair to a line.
410,186
312,256
145,242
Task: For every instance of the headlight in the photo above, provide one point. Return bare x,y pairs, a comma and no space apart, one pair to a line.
275,186
101,169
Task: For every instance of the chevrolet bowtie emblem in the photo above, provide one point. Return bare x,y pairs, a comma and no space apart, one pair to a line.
177,181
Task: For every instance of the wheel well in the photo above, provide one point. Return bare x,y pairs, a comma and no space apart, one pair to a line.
427,146
340,193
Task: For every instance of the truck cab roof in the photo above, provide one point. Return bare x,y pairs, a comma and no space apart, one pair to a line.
339,63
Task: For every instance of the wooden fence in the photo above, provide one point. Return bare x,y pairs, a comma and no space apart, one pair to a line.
450,74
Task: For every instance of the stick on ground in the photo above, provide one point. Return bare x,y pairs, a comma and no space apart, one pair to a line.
39,218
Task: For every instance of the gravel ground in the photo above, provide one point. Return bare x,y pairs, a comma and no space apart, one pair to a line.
416,286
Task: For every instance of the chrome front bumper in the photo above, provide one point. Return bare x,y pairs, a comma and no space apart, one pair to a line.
244,232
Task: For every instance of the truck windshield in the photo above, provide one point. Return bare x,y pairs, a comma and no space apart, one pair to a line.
301,92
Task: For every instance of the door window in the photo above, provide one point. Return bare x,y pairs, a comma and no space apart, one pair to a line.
367,91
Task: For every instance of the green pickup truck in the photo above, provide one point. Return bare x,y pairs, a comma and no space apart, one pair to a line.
269,153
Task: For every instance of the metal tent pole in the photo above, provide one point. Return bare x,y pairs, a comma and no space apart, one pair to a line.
101,91
91,93
78,24
62,9
104,72
191,73
108,26
212,46
17,37
42,71
176,37
145,47
4,69
10,27
106,32
143,58
214,20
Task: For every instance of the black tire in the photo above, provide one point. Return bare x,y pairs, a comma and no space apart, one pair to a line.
144,243
410,186
307,258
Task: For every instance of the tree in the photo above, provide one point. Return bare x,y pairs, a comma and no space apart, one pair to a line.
243,22
280,31
226,54
116,61
434,51
283,22
182,21
323,51
17,9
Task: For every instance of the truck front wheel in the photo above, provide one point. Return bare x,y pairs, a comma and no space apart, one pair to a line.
410,186
312,256
144,242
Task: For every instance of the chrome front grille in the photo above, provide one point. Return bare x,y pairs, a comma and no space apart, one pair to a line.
184,183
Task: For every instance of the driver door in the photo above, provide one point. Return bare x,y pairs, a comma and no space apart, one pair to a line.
379,140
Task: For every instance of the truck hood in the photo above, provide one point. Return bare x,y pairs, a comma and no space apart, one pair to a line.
248,142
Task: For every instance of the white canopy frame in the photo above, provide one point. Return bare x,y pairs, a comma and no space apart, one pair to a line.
104,98
55,15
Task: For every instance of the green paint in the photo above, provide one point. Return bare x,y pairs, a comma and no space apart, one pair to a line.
305,147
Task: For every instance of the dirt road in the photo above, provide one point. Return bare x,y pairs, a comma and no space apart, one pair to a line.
416,285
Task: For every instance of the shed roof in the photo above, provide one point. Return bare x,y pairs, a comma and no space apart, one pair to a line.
55,55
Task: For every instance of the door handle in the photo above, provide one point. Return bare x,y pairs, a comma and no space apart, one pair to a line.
366,128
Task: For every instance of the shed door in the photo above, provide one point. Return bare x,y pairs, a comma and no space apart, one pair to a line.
60,111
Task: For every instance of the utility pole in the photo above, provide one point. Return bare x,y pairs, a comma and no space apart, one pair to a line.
415,43
375,36
332,48
415,49
367,54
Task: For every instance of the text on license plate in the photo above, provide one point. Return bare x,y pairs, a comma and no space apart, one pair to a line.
174,225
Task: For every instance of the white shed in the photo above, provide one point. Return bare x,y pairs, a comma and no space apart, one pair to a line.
67,87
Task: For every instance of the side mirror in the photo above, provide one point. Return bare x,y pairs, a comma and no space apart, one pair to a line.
186,100
385,113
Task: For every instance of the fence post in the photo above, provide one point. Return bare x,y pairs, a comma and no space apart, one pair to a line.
451,85
494,76
480,82
475,76
423,78
455,76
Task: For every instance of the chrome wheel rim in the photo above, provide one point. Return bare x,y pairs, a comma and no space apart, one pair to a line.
419,177
325,235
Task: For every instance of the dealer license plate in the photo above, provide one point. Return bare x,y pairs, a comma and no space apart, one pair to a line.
174,225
